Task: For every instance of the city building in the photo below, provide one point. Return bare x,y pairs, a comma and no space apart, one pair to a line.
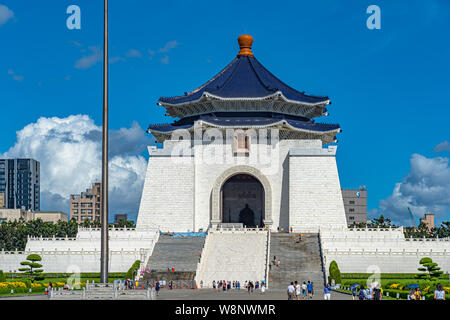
120,217
428,219
20,184
51,216
46,216
2,200
355,204
86,205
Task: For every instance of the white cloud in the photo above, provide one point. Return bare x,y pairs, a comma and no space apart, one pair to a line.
69,151
15,76
443,146
169,46
426,188
164,60
89,60
5,14
116,59
133,53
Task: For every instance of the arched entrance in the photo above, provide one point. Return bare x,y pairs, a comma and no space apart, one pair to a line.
217,215
243,201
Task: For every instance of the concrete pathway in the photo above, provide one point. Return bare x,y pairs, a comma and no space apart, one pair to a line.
209,294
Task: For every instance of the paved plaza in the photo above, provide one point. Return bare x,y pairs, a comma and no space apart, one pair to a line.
209,294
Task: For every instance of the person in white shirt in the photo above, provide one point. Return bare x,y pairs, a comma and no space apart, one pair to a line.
439,293
304,289
290,291
298,290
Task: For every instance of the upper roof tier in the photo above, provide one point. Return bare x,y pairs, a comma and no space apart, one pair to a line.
245,85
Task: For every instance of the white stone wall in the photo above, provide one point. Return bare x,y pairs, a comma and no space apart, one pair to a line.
168,197
385,250
177,191
315,197
72,261
82,254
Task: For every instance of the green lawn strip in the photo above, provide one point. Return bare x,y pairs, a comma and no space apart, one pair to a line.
394,276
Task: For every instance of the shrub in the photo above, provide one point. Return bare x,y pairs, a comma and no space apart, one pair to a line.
2,276
134,268
335,273
430,270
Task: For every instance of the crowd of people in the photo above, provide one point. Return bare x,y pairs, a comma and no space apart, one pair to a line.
374,292
250,286
303,291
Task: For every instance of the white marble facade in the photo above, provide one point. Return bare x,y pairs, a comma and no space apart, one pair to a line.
300,180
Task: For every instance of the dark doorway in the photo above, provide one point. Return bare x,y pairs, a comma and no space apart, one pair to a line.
243,201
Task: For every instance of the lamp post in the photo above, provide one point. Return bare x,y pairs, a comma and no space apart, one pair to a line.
104,211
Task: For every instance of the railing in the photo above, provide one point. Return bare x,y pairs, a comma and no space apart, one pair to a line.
202,258
322,260
101,292
267,259
144,263
240,230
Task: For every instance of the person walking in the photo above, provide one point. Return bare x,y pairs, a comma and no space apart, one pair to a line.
157,287
377,294
354,292
309,287
439,293
238,285
362,293
304,290
290,291
327,292
418,294
263,288
312,288
298,290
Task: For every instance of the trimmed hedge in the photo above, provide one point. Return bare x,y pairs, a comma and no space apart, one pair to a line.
334,272
86,275
2,276
386,276
134,268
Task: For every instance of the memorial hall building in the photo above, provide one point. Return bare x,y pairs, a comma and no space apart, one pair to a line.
245,149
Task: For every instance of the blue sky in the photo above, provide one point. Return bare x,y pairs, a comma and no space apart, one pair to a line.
388,87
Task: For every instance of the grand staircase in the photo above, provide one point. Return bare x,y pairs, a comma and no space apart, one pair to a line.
182,254
299,261
233,255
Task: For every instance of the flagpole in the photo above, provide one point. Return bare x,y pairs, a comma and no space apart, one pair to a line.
104,210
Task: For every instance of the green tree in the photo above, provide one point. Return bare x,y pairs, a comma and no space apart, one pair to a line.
381,222
430,270
32,268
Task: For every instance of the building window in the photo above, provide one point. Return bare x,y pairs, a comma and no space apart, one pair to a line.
352,202
241,143
351,210
351,218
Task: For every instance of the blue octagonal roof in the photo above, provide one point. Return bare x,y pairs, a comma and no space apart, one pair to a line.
245,77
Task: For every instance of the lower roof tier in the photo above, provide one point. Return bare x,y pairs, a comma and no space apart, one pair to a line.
290,127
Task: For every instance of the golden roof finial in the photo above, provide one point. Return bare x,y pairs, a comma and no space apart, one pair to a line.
245,43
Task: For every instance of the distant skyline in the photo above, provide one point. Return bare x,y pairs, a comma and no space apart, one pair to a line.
388,87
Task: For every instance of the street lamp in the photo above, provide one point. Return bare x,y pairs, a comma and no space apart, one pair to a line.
104,214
